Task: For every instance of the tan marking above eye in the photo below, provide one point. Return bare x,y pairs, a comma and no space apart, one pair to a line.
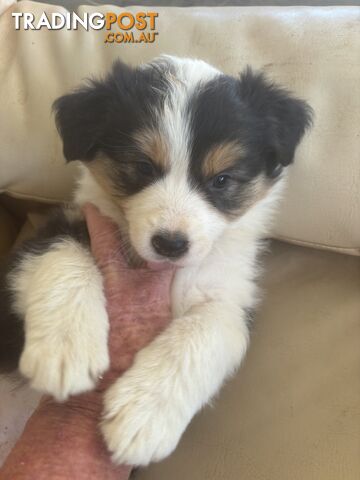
154,145
221,157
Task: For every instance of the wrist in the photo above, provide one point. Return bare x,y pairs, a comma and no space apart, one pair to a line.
62,441
79,410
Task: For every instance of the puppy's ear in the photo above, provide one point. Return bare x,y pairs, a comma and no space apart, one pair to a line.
281,118
86,117
80,120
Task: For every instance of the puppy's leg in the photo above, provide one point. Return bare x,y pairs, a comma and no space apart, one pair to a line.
59,294
149,407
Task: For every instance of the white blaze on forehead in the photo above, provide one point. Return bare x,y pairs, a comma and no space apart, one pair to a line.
185,76
190,70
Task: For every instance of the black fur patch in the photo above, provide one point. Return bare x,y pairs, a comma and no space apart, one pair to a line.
11,326
265,119
103,115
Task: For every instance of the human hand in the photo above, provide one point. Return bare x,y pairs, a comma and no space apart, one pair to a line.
138,299
138,306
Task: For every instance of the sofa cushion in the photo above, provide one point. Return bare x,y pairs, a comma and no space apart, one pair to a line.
312,51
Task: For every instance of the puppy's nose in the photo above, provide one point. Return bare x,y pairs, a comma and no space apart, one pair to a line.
170,244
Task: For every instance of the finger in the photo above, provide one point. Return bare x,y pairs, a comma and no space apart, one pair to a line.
156,282
104,238
164,276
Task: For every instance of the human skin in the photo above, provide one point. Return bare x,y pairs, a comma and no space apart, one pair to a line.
62,441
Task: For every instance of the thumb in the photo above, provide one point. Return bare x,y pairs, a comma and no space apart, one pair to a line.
104,239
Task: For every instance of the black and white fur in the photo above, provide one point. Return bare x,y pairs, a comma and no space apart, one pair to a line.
221,145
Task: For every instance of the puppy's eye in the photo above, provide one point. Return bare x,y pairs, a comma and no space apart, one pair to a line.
146,168
220,181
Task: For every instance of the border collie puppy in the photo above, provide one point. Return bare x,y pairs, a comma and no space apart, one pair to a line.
189,163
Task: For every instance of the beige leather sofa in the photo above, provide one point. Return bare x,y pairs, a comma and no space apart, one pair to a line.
292,411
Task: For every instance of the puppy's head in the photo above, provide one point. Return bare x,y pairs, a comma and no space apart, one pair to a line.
181,149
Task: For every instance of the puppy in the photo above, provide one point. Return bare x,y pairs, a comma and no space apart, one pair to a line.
190,163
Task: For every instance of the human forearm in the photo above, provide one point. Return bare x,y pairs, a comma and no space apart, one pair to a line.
62,442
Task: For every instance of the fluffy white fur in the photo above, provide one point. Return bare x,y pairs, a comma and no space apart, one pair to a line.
60,295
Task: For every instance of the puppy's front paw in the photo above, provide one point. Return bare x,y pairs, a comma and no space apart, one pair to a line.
65,367
60,294
141,422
